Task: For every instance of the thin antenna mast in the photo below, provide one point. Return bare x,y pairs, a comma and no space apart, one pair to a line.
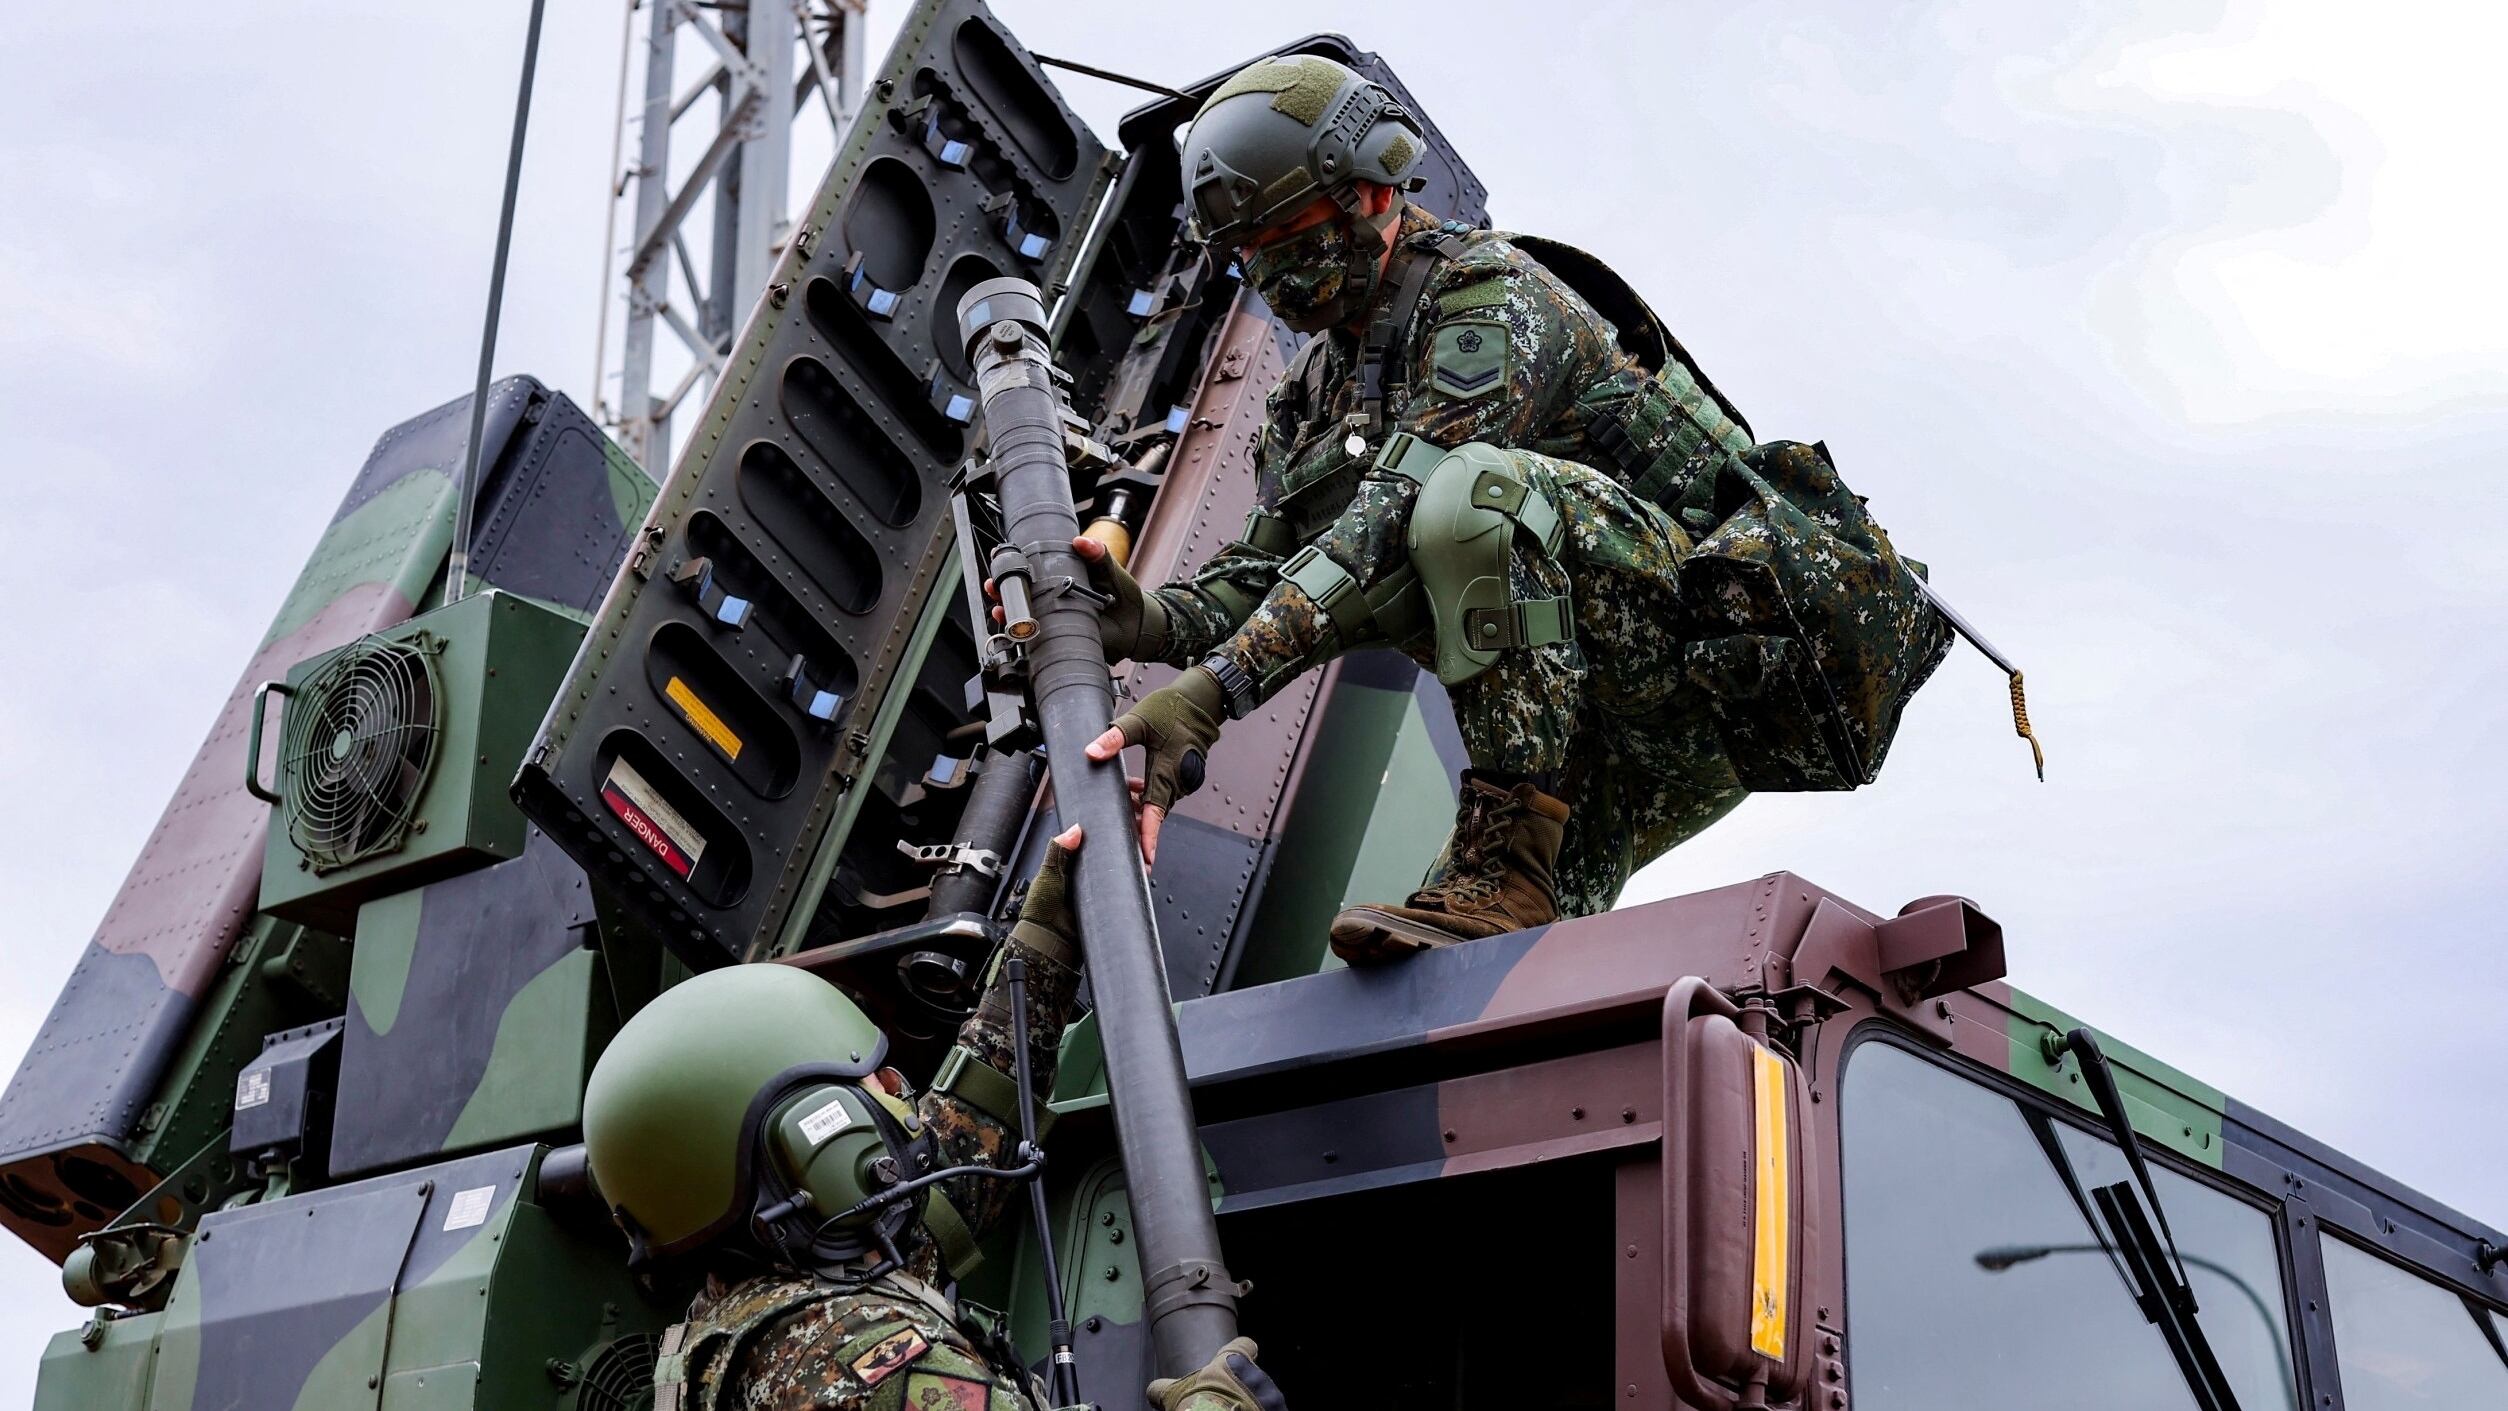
457,574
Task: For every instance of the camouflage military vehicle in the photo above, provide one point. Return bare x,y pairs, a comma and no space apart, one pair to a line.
302,1127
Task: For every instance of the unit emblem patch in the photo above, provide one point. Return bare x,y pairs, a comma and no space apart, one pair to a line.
888,1354
931,1391
1469,359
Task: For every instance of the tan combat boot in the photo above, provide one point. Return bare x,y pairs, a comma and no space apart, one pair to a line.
1497,875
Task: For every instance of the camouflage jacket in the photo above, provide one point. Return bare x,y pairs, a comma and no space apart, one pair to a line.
786,1342
1499,349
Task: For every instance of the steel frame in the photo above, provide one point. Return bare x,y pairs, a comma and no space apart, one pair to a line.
764,60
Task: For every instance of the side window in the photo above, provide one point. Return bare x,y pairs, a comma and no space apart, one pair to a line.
2404,1343
1977,1276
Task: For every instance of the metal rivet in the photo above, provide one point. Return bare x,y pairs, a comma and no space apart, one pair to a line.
1449,1134
1113,1273
1577,1112
1628,1114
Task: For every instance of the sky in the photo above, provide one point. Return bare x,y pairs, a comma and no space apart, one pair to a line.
2171,335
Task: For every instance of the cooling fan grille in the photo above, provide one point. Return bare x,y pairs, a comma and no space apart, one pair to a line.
360,738
620,1377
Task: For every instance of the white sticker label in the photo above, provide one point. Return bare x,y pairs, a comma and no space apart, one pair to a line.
826,1122
470,1207
252,1089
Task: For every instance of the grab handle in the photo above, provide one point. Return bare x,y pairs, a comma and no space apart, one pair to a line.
252,755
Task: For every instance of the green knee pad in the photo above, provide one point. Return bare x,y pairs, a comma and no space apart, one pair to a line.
1473,500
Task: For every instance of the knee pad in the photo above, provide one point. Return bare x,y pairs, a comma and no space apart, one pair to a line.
1473,502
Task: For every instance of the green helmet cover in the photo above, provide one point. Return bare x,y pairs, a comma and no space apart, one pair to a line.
1285,130
675,1104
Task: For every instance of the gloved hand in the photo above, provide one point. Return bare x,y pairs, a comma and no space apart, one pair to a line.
1228,1382
1046,922
1133,626
1177,723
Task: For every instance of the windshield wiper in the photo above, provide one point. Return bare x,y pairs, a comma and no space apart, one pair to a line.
2151,1264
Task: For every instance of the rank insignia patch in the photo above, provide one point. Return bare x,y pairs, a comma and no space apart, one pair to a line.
1469,359
889,1354
930,1391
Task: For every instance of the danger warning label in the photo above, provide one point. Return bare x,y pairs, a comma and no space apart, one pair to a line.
655,823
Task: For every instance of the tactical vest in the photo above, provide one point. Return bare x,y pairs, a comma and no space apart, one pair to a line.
1807,631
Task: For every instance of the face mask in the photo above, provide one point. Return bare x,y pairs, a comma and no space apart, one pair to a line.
1320,276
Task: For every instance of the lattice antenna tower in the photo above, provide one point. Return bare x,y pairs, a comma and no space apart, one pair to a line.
724,89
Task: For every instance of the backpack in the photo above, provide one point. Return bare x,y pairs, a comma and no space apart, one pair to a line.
1807,630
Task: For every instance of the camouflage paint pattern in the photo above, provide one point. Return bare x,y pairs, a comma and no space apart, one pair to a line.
476,1006
447,1285
83,1094
1535,1051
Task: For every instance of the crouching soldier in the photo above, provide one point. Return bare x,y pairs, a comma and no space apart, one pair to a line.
1493,458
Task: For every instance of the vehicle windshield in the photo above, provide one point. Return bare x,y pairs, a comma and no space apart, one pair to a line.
2404,1343
1976,1277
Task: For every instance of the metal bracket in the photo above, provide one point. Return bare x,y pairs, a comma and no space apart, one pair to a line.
952,857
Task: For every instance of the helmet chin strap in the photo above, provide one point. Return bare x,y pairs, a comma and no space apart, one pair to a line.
1364,269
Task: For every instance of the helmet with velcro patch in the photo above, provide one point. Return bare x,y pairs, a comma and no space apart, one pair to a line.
1285,130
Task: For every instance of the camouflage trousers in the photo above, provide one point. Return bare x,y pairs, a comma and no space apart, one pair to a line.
1611,715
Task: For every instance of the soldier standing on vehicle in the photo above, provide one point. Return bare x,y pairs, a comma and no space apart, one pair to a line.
742,1125
1470,463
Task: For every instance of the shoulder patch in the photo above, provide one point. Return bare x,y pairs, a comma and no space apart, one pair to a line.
888,1355
1469,358
930,1391
1481,294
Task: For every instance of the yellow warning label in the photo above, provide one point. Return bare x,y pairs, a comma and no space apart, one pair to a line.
1770,1277
701,716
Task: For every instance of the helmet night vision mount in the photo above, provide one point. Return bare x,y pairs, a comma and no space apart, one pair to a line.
1289,129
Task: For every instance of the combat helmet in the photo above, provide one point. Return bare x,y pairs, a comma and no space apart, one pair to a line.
741,1109
1285,130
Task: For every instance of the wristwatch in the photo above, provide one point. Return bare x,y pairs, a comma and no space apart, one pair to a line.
1237,689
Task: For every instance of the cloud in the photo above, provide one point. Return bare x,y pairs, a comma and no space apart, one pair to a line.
2382,293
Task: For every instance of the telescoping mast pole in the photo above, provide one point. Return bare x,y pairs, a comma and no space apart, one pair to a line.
1190,1300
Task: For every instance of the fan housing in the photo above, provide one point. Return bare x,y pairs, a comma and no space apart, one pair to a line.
393,754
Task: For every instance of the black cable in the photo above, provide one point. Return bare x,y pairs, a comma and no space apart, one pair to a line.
1062,1367
1109,75
457,574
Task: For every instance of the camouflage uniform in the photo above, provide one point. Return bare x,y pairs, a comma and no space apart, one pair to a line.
1500,350
787,1342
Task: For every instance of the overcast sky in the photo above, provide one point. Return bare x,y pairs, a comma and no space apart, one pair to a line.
2174,336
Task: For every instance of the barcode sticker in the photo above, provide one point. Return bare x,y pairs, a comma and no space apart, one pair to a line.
826,1122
